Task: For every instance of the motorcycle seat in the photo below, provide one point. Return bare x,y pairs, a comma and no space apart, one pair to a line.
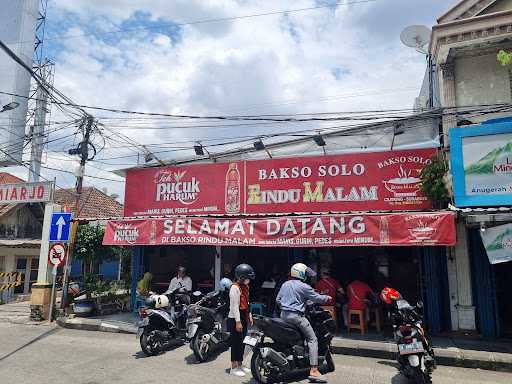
283,324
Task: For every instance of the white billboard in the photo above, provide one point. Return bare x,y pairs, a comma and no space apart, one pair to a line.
18,20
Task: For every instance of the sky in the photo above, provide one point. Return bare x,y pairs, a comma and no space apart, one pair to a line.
335,58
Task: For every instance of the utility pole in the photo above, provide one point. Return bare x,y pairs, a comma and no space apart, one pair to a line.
83,151
37,130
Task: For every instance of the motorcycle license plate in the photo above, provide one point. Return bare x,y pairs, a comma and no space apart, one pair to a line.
249,340
409,349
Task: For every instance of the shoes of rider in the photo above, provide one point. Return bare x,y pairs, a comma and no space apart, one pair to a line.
245,369
317,379
237,372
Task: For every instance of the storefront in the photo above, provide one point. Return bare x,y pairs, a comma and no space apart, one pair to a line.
363,215
481,159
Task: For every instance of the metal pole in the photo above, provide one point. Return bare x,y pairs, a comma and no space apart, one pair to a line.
52,297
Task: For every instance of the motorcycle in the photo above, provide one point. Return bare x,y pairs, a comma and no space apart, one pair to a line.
162,320
286,359
415,352
205,324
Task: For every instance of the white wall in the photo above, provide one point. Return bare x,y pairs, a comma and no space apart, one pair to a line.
481,80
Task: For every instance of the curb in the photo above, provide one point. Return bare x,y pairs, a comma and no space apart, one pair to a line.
95,325
453,357
491,361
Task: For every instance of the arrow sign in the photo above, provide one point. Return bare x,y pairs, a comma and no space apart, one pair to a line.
60,227
60,223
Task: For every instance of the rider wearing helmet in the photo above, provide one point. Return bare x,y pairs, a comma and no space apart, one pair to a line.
292,298
239,316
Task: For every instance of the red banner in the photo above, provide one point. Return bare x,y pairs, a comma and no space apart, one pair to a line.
293,231
373,181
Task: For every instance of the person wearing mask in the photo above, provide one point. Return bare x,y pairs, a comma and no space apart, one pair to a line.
181,281
239,317
292,298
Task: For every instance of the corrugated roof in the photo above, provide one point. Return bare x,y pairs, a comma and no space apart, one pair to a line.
480,210
93,203
7,178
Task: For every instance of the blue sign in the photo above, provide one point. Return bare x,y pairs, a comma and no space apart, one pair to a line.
481,164
61,226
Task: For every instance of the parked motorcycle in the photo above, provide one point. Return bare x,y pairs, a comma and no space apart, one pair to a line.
163,319
205,324
415,353
286,359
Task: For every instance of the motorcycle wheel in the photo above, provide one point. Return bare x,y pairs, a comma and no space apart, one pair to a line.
259,372
150,343
420,377
200,348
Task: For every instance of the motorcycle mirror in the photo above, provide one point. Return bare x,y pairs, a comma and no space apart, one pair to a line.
197,293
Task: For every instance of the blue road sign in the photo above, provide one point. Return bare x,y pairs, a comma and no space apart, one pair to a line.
61,226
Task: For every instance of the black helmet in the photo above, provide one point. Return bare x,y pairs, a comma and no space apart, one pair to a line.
244,271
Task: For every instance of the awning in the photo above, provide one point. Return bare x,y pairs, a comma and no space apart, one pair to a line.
350,230
20,243
484,215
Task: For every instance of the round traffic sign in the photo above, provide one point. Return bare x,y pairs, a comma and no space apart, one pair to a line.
57,253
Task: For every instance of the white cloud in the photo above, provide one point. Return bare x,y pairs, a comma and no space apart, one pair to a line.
317,60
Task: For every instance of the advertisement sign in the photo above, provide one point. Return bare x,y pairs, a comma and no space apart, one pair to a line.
25,192
481,159
498,243
337,183
415,229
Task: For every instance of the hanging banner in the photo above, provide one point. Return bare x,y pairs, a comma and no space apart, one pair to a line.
25,192
293,231
498,243
373,181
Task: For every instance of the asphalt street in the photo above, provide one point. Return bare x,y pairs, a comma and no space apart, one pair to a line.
52,355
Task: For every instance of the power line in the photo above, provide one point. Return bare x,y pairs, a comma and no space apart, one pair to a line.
72,173
279,117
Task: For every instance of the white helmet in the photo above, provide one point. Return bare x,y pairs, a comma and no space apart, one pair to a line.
225,284
161,301
301,271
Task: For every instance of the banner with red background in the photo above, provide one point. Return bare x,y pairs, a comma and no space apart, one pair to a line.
373,181
288,231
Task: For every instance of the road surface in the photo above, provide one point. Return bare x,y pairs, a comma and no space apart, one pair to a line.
49,354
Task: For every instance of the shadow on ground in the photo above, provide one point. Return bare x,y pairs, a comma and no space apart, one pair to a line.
35,340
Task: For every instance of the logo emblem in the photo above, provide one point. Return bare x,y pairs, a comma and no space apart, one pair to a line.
176,186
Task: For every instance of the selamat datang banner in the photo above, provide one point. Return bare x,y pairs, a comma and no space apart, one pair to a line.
371,181
394,229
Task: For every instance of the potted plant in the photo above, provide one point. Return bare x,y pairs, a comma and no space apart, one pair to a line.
85,307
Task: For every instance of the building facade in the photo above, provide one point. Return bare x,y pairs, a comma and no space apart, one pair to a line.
473,87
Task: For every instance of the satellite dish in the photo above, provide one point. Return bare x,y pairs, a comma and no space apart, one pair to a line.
416,36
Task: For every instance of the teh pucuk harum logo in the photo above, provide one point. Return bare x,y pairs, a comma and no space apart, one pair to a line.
126,233
176,186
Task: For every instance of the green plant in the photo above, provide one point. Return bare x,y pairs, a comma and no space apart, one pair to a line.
504,58
89,248
433,182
